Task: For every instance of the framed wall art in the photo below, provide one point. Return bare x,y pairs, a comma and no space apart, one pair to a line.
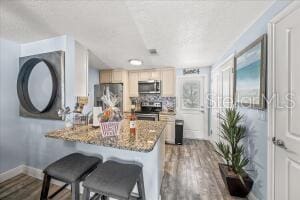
250,75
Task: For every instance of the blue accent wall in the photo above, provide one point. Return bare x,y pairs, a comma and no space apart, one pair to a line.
22,140
256,121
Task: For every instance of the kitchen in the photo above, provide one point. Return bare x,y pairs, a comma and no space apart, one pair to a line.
78,100
147,147
151,91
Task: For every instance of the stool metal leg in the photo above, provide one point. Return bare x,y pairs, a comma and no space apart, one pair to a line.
86,194
96,197
104,197
141,188
45,187
75,191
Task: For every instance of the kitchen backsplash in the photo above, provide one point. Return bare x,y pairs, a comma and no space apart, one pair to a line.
168,103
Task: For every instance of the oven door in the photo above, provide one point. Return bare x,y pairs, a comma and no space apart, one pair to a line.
149,117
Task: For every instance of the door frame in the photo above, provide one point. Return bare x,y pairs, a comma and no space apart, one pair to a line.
218,70
213,75
271,91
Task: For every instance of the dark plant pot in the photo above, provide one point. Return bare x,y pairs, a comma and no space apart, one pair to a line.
234,184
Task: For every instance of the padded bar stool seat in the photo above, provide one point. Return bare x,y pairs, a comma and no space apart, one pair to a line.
114,179
71,169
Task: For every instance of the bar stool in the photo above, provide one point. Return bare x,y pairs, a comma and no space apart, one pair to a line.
71,169
116,180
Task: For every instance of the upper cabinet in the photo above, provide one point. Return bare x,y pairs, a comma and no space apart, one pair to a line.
155,75
117,76
149,75
145,75
105,76
113,76
166,76
168,82
133,77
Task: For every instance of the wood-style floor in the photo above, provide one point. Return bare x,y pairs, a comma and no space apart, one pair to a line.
23,187
191,173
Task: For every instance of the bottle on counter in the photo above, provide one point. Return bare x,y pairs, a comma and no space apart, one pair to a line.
132,123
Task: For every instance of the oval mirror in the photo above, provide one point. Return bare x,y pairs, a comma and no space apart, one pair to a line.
40,86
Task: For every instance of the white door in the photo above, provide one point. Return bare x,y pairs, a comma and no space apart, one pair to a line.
192,105
287,113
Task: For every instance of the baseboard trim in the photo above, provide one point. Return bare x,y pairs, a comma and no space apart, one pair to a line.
38,173
11,173
34,172
251,196
30,171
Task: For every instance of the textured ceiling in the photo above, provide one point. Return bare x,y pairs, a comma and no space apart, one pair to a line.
185,33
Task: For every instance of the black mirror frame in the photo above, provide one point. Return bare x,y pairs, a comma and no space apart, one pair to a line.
22,85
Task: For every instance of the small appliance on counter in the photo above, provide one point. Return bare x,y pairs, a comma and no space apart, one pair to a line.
178,131
149,111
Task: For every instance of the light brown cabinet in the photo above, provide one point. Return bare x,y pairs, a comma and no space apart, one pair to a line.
166,76
112,76
145,75
117,76
170,127
155,75
133,79
130,81
168,82
150,75
105,76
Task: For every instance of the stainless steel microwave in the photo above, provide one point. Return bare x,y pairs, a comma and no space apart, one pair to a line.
149,87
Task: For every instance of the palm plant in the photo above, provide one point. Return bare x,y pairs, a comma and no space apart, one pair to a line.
232,132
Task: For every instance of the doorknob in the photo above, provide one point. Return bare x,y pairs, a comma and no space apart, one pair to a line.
279,143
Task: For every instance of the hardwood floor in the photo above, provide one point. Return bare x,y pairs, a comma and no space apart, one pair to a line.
23,187
191,173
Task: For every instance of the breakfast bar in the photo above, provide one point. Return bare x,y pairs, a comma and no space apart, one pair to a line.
147,147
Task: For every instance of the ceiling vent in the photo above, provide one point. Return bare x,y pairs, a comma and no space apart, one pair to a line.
153,52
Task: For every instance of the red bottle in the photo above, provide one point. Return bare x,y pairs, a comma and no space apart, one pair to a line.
132,123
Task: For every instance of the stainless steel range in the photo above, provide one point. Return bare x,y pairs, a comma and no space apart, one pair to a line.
149,111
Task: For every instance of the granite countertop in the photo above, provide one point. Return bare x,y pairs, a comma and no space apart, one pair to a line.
147,134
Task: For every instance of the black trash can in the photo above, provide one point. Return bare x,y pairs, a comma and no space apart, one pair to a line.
178,131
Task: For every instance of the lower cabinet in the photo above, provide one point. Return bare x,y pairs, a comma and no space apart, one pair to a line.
170,128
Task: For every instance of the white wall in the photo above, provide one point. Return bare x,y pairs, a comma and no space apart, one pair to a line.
93,80
81,70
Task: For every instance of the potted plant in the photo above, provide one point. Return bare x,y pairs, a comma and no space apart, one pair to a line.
232,151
